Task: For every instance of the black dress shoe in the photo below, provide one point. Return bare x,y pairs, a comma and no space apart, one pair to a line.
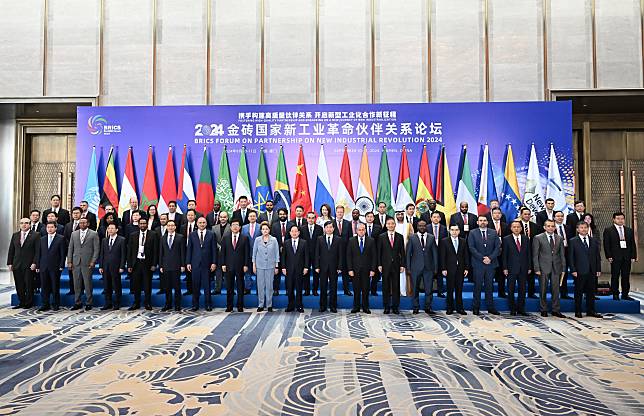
566,297
449,312
374,293
441,295
395,311
16,307
148,307
476,312
187,293
76,307
300,310
307,293
55,308
558,315
217,292
276,293
315,293
355,310
27,306
260,309
627,298
106,307
596,298
270,309
415,311
386,311
524,313
367,311
291,309
177,308
134,308
43,308
513,313
322,310
208,308
533,296
88,307
246,291
429,311
494,312
229,309
578,315
615,297
333,310
70,293
503,295
594,315
194,309
165,308
462,312
544,314
116,307
160,292
240,309
348,293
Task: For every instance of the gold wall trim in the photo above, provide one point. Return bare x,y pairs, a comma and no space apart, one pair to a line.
544,29
208,53
486,43
317,51
262,50
594,41
45,21
373,51
429,51
154,52
101,56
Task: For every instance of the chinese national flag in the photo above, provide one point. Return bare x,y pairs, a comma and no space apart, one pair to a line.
301,194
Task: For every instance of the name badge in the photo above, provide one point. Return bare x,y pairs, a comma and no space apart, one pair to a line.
466,227
141,252
622,244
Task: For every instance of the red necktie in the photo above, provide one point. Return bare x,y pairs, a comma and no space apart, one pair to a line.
391,240
464,218
234,242
518,244
340,227
283,229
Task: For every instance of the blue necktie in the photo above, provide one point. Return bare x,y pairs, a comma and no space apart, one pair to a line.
361,246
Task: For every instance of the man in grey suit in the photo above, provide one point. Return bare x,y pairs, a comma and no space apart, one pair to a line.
549,263
83,251
422,261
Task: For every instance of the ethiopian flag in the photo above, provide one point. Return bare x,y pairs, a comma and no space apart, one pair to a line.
262,184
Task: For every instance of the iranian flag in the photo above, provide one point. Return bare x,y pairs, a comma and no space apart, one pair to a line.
344,195
128,184
242,185
404,193
150,194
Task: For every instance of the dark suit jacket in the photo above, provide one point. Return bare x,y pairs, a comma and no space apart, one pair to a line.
489,217
126,216
611,244
365,261
199,255
295,262
391,259
534,229
572,219
419,260
302,220
414,222
150,248
235,258
376,230
542,216
40,227
584,260
178,219
329,259
427,216
63,216
91,219
276,231
457,219
377,221
60,229
505,230
22,257
211,219
453,262
172,259
480,248
311,241
442,232
69,229
52,258
264,217
237,215
568,230
346,230
113,259
513,261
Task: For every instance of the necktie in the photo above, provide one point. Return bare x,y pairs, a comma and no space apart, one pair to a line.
143,238
170,238
311,231
464,218
361,245
517,240
585,243
621,233
422,241
526,229
552,242
496,227
561,231
49,242
340,227
369,230
436,233
382,221
391,240
111,243
234,242
190,229
201,237
23,236
252,229
294,246
484,235
33,227
243,215
283,229
455,244
328,242
75,226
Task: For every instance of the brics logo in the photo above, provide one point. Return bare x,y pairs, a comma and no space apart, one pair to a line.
98,125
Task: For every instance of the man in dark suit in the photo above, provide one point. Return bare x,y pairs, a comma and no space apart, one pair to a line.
213,216
270,216
35,225
132,227
566,232
355,220
201,260
21,259
432,208
410,216
299,219
361,266
192,205
342,228
61,213
422,262
235,262
91,217
295,260
310,232
577,215
373,230
620,250
112,265
143,257
493,205
242,213
391,262
220,230
465,220
584,259
50,262
172,260
381,216
531,230
328,264
438,232
52,217
546,214
187,228
485,248
72,225
517,264
496,223
173,215
127,214
454,263
280,230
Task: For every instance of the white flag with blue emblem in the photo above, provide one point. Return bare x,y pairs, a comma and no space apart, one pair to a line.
555,188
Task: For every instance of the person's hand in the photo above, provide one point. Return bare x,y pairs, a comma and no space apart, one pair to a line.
574,274
351,273
254,269
465,273
380,269
372,273
153,268
10,267
284,272
339,271
317,270
161,269
444,273
129,270
402,270
529,271
223,268
306,271
599,274
183,269
100,270
277,271
189,267
486,260
60,269
33,266
245,269
610,259
121,270
505,272
538,273
214,266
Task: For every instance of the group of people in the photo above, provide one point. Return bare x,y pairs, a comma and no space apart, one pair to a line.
408,253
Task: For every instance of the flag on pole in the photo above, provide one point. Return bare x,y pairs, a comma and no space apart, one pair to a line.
533,192
384,192
323,185
555,189
464,184
224,187
169,187
344,195
185,192
487,187
110,191
128,184
149,194
205,198
92,196
282,195
404,192
301,195
262,184
510,198
364,196
242,184
444,192
424,191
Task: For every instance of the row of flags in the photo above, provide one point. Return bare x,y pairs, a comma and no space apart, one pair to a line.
478,197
